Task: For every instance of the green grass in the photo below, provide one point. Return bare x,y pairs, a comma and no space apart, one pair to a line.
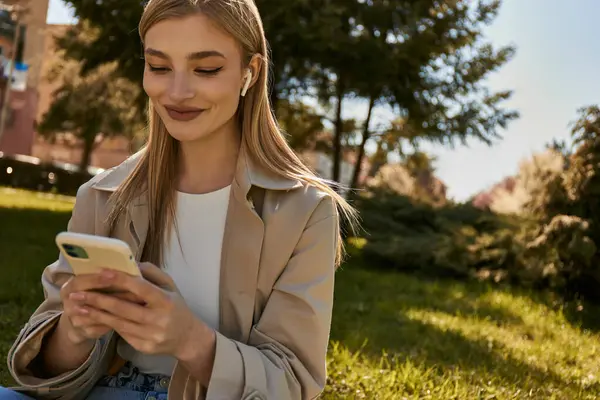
394,336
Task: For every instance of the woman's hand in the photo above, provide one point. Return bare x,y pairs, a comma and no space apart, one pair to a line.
163,325
79,326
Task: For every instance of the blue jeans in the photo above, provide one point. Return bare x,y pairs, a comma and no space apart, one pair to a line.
128,384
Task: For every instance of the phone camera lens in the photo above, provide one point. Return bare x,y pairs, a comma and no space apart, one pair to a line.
75,251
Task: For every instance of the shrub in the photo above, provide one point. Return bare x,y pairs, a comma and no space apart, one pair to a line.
562,254
451,240
462,241
543,231
536,186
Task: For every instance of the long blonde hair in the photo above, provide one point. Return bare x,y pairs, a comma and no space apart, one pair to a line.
263,140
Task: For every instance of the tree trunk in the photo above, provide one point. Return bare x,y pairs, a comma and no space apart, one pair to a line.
339,126
361,150
378,160
86,156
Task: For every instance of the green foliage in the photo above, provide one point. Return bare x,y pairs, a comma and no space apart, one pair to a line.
406,234
91,106
563,248
303,125
408,230
562,252
582,185
116,39
428,60
582,180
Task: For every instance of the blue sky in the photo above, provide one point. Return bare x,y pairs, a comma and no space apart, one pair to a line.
554,72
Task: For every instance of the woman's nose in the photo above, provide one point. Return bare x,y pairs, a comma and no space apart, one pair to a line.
181,88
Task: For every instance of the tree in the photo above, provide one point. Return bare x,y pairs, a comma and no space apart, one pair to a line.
562,188
292,30
303,126
582,179
425,58
92,107
437,61
115,39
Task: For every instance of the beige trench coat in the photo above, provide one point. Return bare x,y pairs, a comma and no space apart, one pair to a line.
276,293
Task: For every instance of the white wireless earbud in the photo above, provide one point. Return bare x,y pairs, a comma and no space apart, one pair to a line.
247,84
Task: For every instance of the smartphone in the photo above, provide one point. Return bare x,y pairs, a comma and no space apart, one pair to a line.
89,254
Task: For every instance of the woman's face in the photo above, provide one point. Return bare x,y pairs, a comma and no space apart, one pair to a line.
193,76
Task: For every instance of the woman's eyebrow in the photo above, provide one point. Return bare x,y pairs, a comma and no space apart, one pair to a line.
199,55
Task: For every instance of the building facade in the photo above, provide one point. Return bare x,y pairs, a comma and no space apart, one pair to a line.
19,133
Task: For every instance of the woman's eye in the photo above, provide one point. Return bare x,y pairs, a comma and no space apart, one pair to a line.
208,71
157,69
201,71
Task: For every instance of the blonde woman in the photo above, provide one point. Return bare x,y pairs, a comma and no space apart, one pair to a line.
237,240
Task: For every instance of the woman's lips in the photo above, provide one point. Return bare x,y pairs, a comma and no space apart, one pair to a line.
183,114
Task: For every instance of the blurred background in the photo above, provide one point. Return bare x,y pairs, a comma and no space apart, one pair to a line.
466,132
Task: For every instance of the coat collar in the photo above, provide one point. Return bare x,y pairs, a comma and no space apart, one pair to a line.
248,173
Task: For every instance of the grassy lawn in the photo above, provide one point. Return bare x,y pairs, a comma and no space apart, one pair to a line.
394,336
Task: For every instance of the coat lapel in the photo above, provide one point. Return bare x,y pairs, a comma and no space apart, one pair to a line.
137,223
134,228
240,259
242,245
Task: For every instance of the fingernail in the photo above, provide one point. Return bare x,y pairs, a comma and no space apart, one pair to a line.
82,310
77,296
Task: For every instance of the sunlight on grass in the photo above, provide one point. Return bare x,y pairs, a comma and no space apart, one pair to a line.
455,340
394,336
15,198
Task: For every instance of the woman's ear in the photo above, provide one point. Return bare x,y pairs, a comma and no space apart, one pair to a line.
252,73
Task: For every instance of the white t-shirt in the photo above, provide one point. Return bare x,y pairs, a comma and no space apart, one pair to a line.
193,259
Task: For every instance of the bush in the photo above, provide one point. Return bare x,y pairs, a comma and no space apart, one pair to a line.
562,254
461,241
31,173
537,187
547,235
405,179
451,240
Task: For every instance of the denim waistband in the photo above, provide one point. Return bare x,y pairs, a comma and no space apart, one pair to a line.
130,378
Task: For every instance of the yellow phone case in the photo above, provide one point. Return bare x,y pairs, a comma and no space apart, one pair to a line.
88,254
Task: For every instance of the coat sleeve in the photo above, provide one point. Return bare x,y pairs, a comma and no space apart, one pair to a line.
25,350
285,357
